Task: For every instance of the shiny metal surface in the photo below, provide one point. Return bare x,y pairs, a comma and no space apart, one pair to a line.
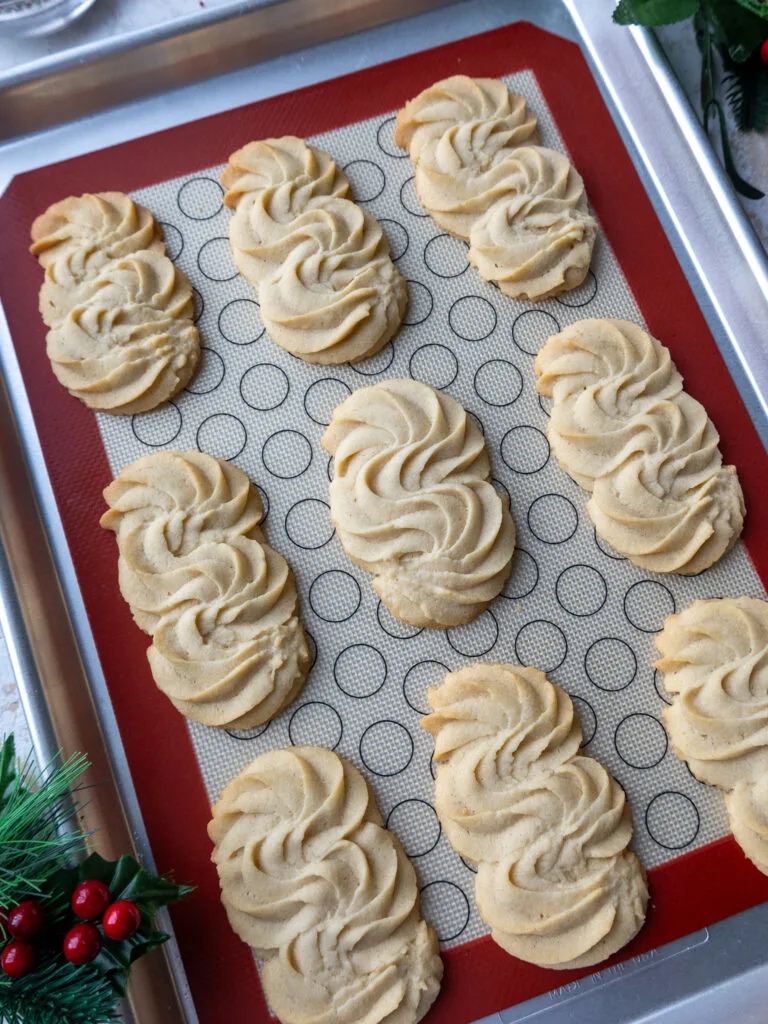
705,224
59,701
704,219
715,975
28,18
42,733
93,77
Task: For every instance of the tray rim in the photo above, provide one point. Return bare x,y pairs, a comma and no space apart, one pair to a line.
715,251
102,74
645,44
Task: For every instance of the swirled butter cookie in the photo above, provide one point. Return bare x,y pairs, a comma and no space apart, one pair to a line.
121,336
481,175
219,603
413,503
715,666
623,428
547,828
318,887
328,290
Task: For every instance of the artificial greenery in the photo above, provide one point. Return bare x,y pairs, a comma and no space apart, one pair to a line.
126,880
37,832
41,857
654,12
58,993
746,89
734,31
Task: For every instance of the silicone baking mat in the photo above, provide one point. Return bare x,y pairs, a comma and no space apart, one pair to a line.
571,607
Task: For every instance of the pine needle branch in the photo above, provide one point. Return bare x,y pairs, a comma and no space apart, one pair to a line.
41,856
758,7
58,993
36,819
746,90
7,769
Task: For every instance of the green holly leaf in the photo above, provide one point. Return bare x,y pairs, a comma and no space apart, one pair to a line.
39,846
758,7
115,958
654,12
150,893
126,879
146,945
737,29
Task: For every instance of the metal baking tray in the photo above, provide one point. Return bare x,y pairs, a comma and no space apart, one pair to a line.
248,50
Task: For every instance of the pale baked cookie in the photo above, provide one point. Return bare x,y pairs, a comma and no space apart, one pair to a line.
318,887
121,335
93,229
547,828
482,176
328,290
715,666
413,503
219,603
623,428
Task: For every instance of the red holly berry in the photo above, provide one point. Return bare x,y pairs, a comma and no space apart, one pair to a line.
18,958
90,899
122,920
26,920
764,52
82,944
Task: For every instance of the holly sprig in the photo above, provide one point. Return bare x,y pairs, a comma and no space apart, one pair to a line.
126,880
736,31
43,857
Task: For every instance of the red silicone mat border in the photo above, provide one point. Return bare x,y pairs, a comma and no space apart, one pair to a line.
480,978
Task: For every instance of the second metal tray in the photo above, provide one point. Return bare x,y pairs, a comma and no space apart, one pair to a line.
723,262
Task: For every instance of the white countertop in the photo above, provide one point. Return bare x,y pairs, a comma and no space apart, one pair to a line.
111,17
11,715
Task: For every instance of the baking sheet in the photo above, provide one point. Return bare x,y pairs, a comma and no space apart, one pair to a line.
571,607
480,978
